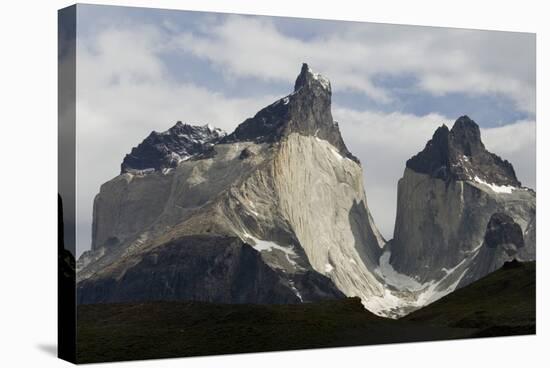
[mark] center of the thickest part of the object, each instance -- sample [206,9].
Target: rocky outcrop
[283,187]
[461,213]
[503,231]
[503,245]
[306,111]
[459,154]
[203,268]
[161,151]
[447,196]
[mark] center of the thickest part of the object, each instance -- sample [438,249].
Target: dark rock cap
[306,111]
[307,78]
[166,149]
[459,154]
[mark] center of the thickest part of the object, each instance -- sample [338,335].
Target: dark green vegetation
[502,303]
[170,329]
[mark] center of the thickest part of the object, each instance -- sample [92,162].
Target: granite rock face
[461,213]
[502,230]
[503,245]
[203,268]
[281,195]
[447,196]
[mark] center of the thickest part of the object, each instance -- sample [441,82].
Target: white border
[29,181]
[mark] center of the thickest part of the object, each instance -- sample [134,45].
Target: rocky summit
[165,150]
[306,111]
[459,154]
[461,214]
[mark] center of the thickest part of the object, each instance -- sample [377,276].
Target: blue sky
[143,69]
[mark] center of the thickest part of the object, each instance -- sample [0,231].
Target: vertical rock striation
[461,212]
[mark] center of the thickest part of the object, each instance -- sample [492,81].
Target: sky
[140,70]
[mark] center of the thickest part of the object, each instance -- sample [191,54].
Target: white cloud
[517,144]
[123,93]
[443,60]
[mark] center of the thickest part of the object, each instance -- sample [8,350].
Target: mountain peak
[441,134]
[306,111]
[459,154]
[466,133]
[163,150]
[193,130]
[308,78]
[465,123]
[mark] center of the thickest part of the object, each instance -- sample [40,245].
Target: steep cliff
[461,213]
[281,195]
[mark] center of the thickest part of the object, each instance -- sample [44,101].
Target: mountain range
[275,212]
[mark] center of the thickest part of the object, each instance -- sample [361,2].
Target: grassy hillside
[502,303]
[171,329]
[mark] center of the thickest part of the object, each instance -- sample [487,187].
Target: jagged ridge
[305,111]
[167,149]
[459,154]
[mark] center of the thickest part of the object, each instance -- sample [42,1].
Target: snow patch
[268,246]
[296,291]
[409,294]
[394,278]
[167,171]
[330,147]
[320,78]
[328,268]
[183,158]
[142,172]
[496,188]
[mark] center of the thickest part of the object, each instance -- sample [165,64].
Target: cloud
[123,93]
[516,143]
[441,61]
